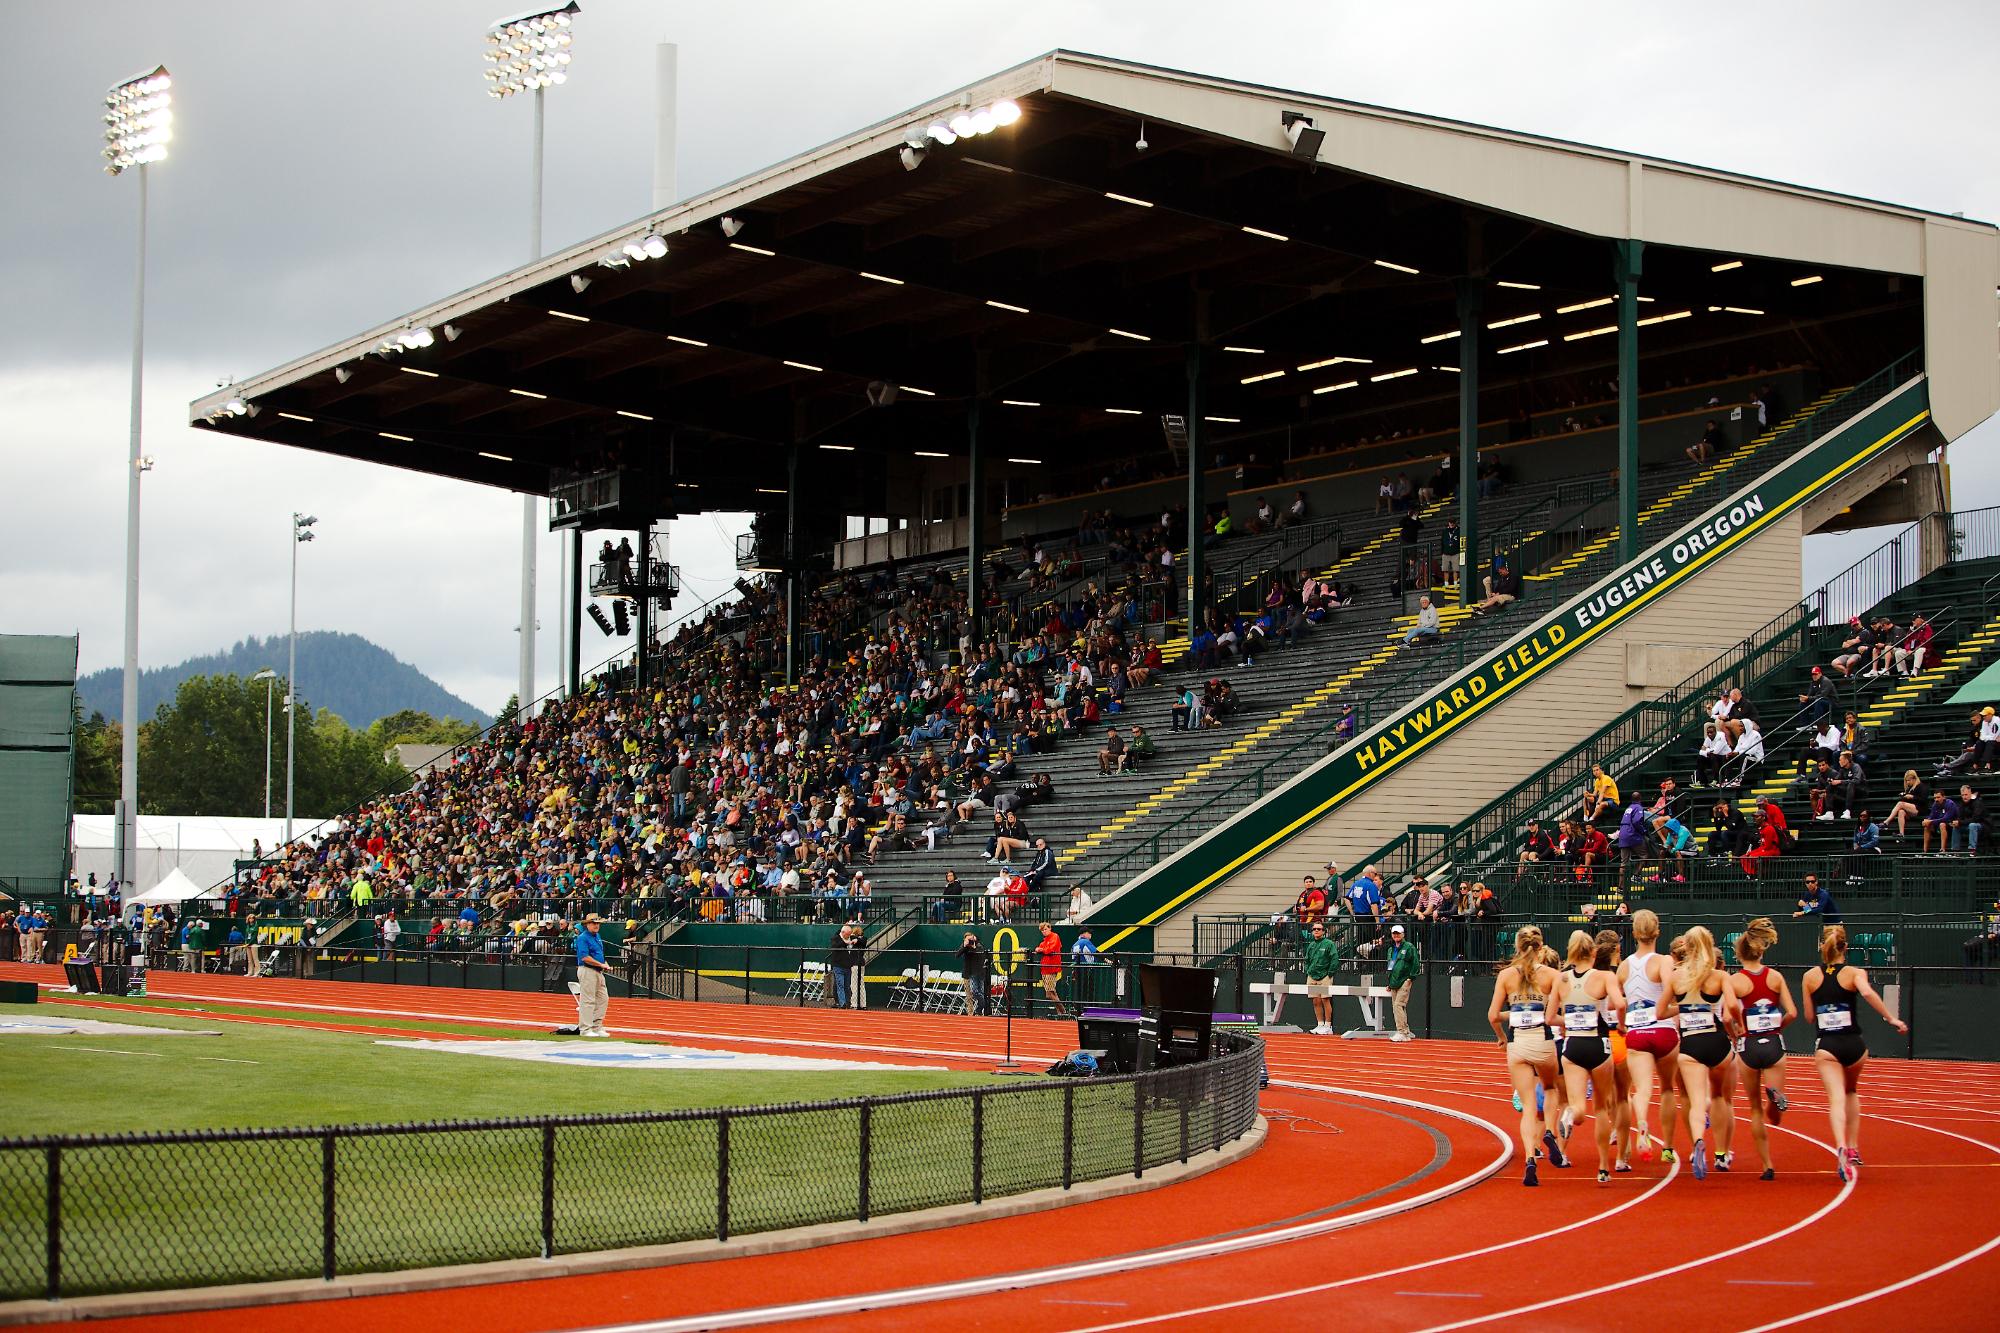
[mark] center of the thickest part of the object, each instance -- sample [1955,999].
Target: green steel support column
[975,523]
[1626,264]
[1470,302]
[791,564]
[1197,564]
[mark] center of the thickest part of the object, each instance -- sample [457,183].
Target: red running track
[1305,1233]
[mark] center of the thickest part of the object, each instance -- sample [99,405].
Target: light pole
[138,125]
[270,678]
[302,525]
[530,53]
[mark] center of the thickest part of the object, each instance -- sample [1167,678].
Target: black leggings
[1762,1051]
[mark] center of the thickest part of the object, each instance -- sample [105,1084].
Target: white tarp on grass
[641,1055]
[54,1026]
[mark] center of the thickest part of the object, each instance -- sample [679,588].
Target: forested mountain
[343,673]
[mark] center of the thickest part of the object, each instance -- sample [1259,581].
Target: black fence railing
[134,1212]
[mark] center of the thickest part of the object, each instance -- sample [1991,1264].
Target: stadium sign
[1251,833]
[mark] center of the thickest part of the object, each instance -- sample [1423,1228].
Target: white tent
[176,888]
[204,848]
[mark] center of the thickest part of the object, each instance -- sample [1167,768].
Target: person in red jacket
[1770,830]
[1049,950]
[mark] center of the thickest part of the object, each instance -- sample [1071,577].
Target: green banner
[1267,824]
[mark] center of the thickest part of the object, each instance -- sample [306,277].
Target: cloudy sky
[338,164]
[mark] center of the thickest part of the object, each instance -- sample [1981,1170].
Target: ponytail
[1645,925]
[1756,940]
[1527,957]
[1833,948]
[1607,950]
[1700,962]
[1581,948]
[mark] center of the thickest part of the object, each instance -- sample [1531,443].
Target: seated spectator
[1867,843]
[1819,790]
[1704,449]
[1601,796]
[1887,635]
[1111,758]
[1344,730]
[1295,512]
[1591,851]
[1854,737]
[1675,842]
[1426,628]
[1749,751]
[1913,650]
[1537,849]
[1821,700]
[1385,496]
[1824,744]
[1769,844]
[1186,711]
[1713,757]
[1140,749]
[1041,867]
[1970,826]
[1857,650]
[1848,787]
[1913,802]
[1940,819]
[1729,832]
[1502,586]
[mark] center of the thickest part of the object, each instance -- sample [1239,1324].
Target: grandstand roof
[1059,271]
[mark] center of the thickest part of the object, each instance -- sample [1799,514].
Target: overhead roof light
[1018,402]
[1807,281]
[1225,421]
[391,435]
[1725,266]
[636,416]
[1391,375]
[1741,310]
[838,448]
[1334,361]
[804,365]
[1440,337]
[751,249]
[1124,411]
[1590,333]
[1662,319]
[1517,319]
[1135,337]
[1259,379]
[931,453]
[412,370]
[414,337]
[1585,305]
[690,342]
[1002,305]
[921,393]
[649,246]
[1128,199]
[1521,286]
[939,131]
[1523,347]
[877,277]
[1267,235]
[1024,460]
[1300,132]
[1450,369]
[770,490]
[1247,351]
[498,458]
[564,314]
[1400,268]
[293,416]
[1336,388]
[527,393]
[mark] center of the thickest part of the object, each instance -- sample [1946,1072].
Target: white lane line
[109,1050]
[1880,1292]
[225,1060]
[1117,1264]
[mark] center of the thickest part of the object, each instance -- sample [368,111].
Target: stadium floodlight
[970,122]
[269,677]
[302,526]
[138,126]
[731,226]
[911,156]
[1303,135]
[531,53]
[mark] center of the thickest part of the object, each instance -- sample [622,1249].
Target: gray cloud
[339,164]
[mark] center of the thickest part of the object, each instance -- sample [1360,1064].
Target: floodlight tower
[138,125]
[302,526]
[530,53]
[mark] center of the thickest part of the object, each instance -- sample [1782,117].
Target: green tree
[203,754]
[413,726]
[99,763]
[510,710]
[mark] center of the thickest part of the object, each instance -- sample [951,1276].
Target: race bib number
[1696,1019]
[1581,1020]
[1762,1019]
[1640,1013]
[1835,1018]
[1526,1016]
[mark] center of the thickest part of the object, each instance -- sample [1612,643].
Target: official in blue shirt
[592,997]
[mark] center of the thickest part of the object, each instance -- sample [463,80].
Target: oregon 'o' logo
[1005,955]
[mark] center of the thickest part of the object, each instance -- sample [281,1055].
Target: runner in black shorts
[1831,990]
[1767,1010]
[1585,1005]
[1706,1003]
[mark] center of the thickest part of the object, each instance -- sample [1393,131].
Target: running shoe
[1623,1168]
[1778,1104]
[1840,1166]
[1567,1123]
[1645,1146]
[1517,1101]
[1666,1157]
[1698,1159]
[1769,1174]
[1725,1161]
[1553,1149]
[1528,1178]
[1603,1176]
[1854,1156]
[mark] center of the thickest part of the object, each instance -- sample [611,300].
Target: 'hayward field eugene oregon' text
[1607,602]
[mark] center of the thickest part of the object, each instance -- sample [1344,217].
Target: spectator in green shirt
[1405,963]
[1322,956]
[363,895]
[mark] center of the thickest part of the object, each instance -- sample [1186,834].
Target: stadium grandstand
[1290,530]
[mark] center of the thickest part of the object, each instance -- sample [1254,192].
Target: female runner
[1519,1015]
[1830,992]
[1650,1038]
[1610,952]
[1585,1004]
[1767,1010]
[1702,996]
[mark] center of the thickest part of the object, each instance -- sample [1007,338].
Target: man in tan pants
[592,999]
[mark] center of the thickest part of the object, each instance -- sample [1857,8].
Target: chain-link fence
[92,1214]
